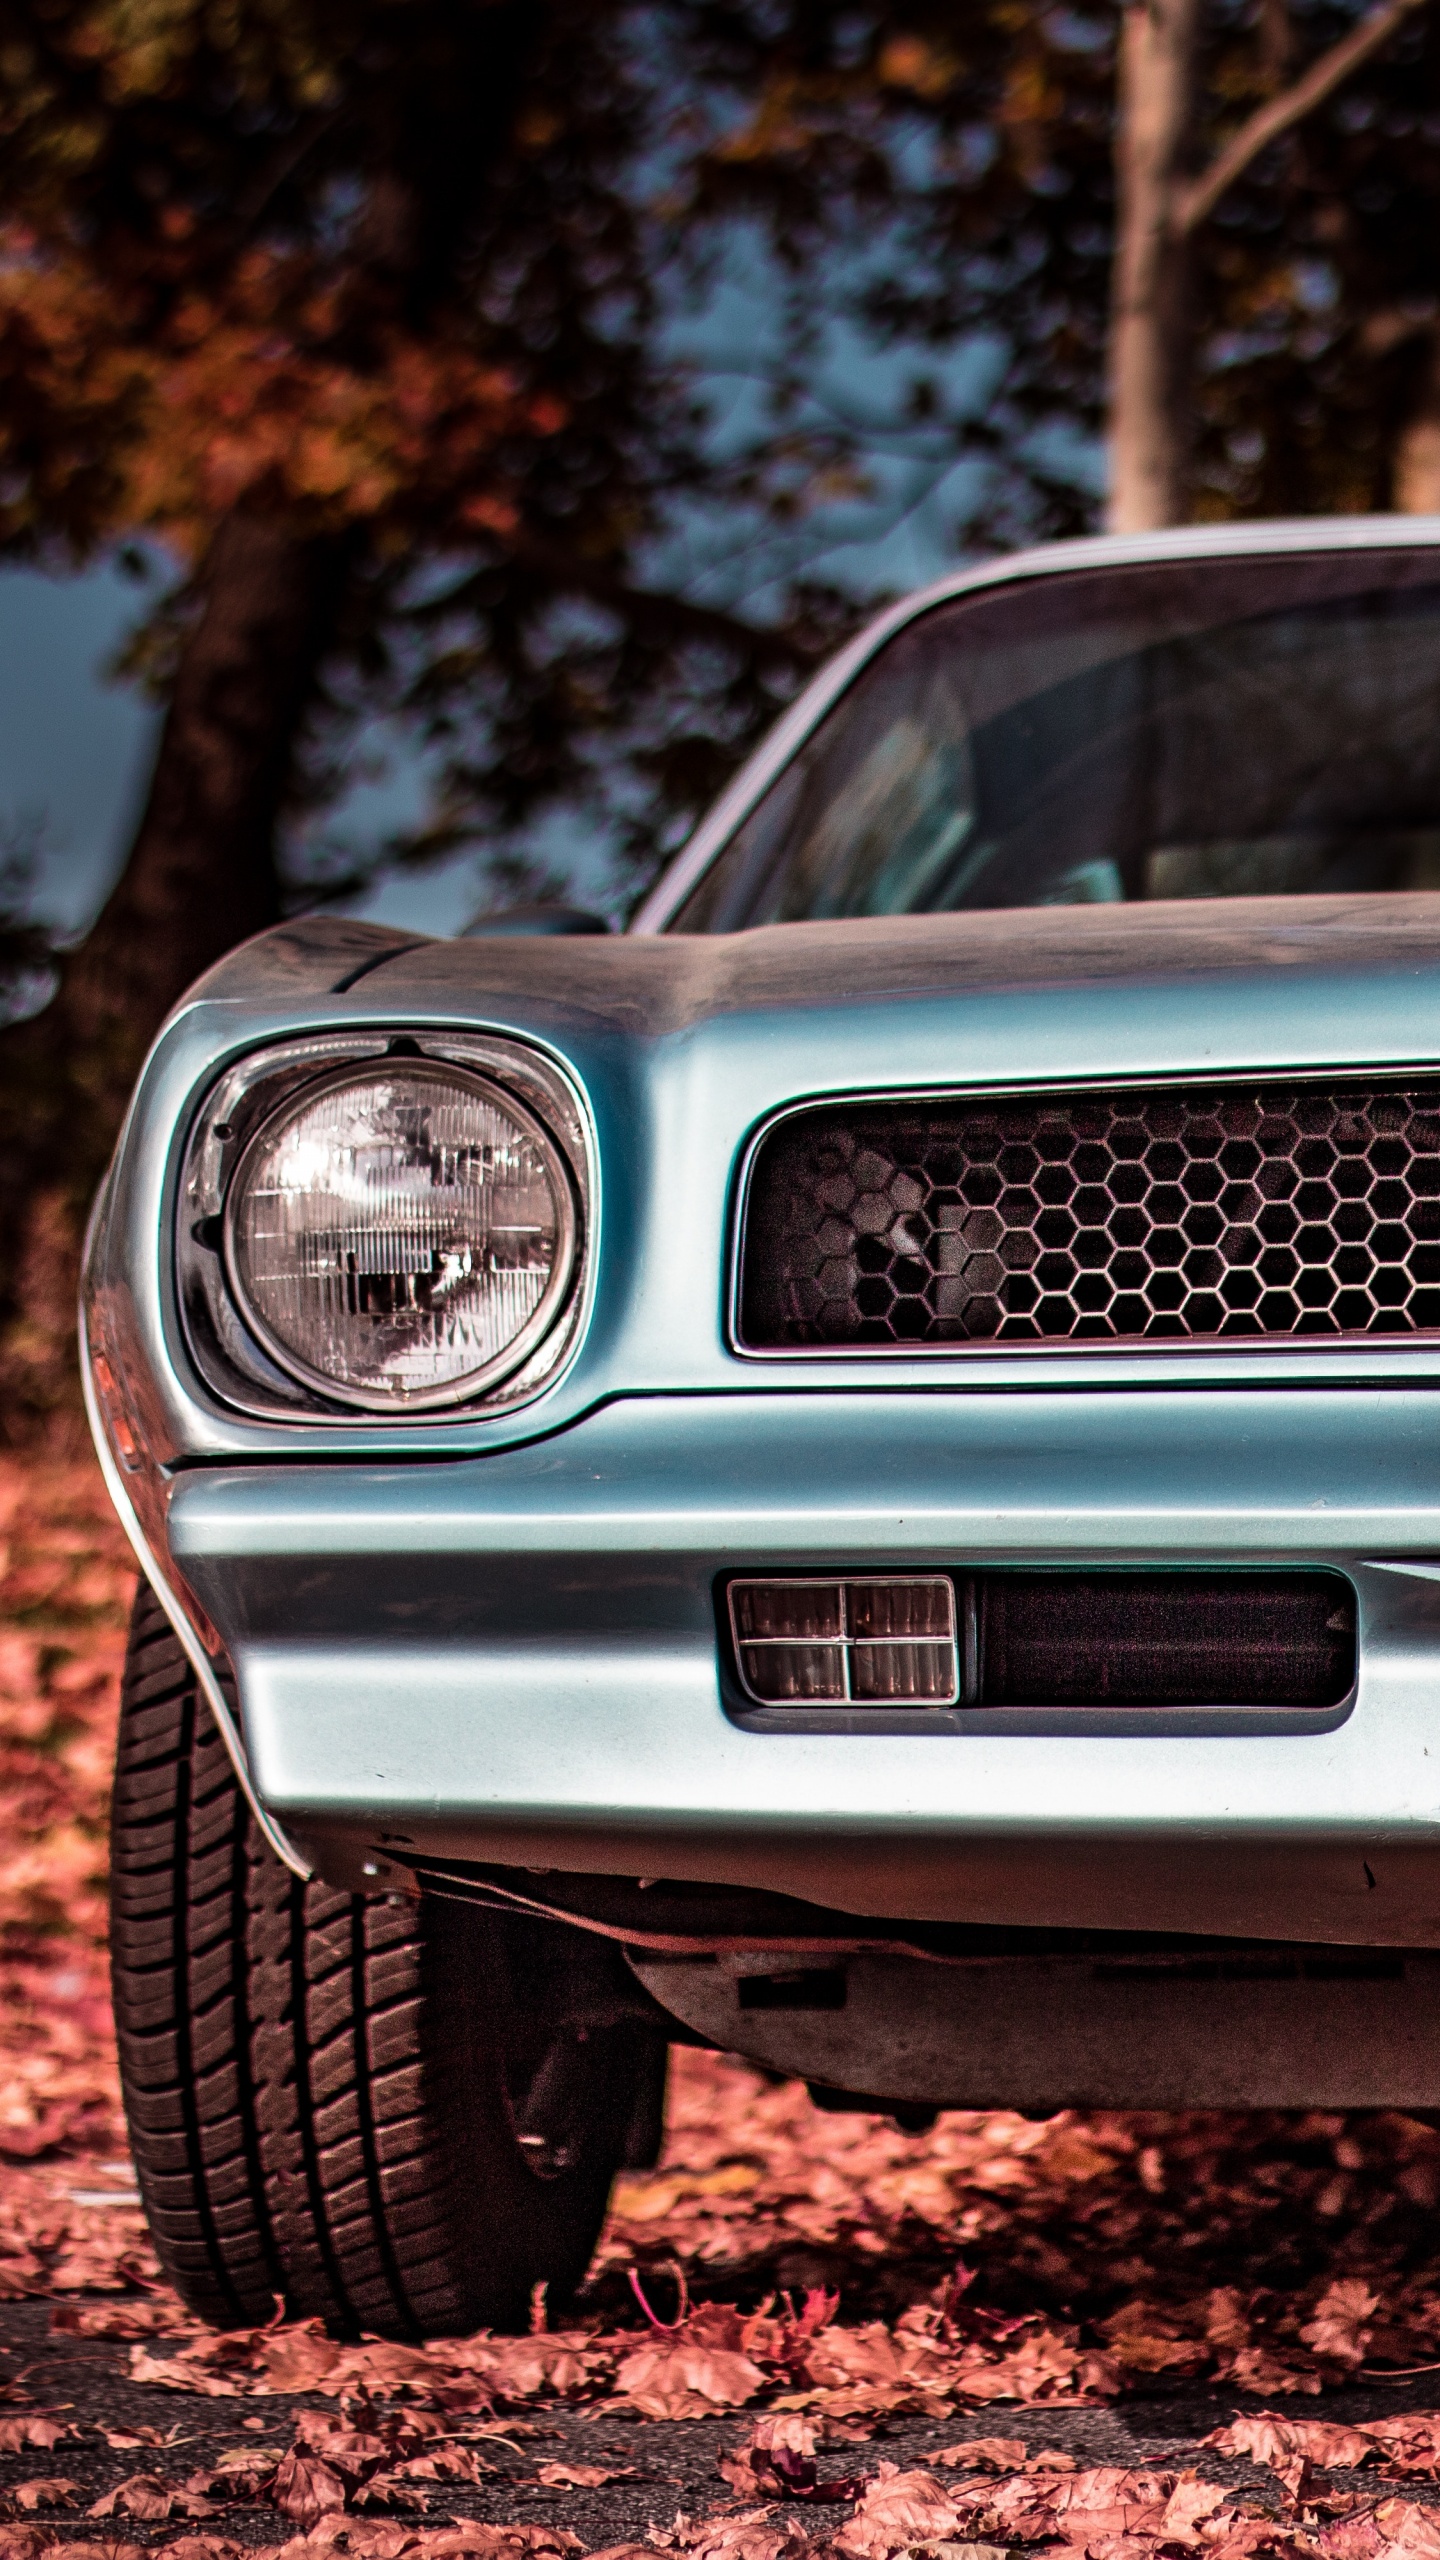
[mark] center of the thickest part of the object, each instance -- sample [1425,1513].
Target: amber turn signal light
[883,1640]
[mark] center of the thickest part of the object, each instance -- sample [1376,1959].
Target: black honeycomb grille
[1183,1212]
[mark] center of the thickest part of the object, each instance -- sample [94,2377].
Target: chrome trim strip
[1051,559]
[1167,1347]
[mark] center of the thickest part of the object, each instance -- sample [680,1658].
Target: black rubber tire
[321,2087]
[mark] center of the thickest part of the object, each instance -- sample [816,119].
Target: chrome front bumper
[514,1658]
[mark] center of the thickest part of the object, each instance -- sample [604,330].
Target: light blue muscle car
[851,1475]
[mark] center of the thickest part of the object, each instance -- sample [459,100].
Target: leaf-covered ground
[1103,2334]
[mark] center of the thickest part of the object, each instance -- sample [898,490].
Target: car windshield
[1198,729]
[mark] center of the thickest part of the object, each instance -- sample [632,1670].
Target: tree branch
[649,610]
[1197,202]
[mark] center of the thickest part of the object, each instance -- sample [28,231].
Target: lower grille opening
[1165,1639]
[1018,1637]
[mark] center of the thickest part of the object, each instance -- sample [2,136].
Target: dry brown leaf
[1044,2367]
[1142,2341]
[40,2431]
[1411,2442]
[982,2453]
[579,2475]
[306,2487]
[969,2551]
[1351,2538]
[296,2359]
[362,2537]
[1255,2369]
[351,2449]
[787,2432]
[898,2507]
[148,2499]
[203,2546]
[391,2489]
[173,2373]
[450,2462]
[1020,2507]
[777,2460]
[1410,2528]
[493,2541]
[1276,2441]
[242,2472]
[1108,2503]
[1227,2322]
[669,2378]
[1191,2503]
[754,2535]
[30,2494]
[1340,2327]
[121,2320]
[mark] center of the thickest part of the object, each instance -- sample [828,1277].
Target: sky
[76,747]
[73,750]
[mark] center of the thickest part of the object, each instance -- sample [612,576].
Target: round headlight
[402,1235]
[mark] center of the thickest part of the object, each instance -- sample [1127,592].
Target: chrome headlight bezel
[233,1349]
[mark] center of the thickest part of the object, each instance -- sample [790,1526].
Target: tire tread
[316,2106]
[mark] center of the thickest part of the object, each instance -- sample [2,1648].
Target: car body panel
[538,1679]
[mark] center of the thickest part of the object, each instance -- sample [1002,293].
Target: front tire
[384,2112]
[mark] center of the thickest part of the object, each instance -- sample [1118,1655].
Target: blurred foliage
[433,280]
[417,276]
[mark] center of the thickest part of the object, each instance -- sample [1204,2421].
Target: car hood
[659,984]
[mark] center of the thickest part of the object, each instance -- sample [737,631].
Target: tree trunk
[1415,471]
[201,876]
[1150,359]
[202,870]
